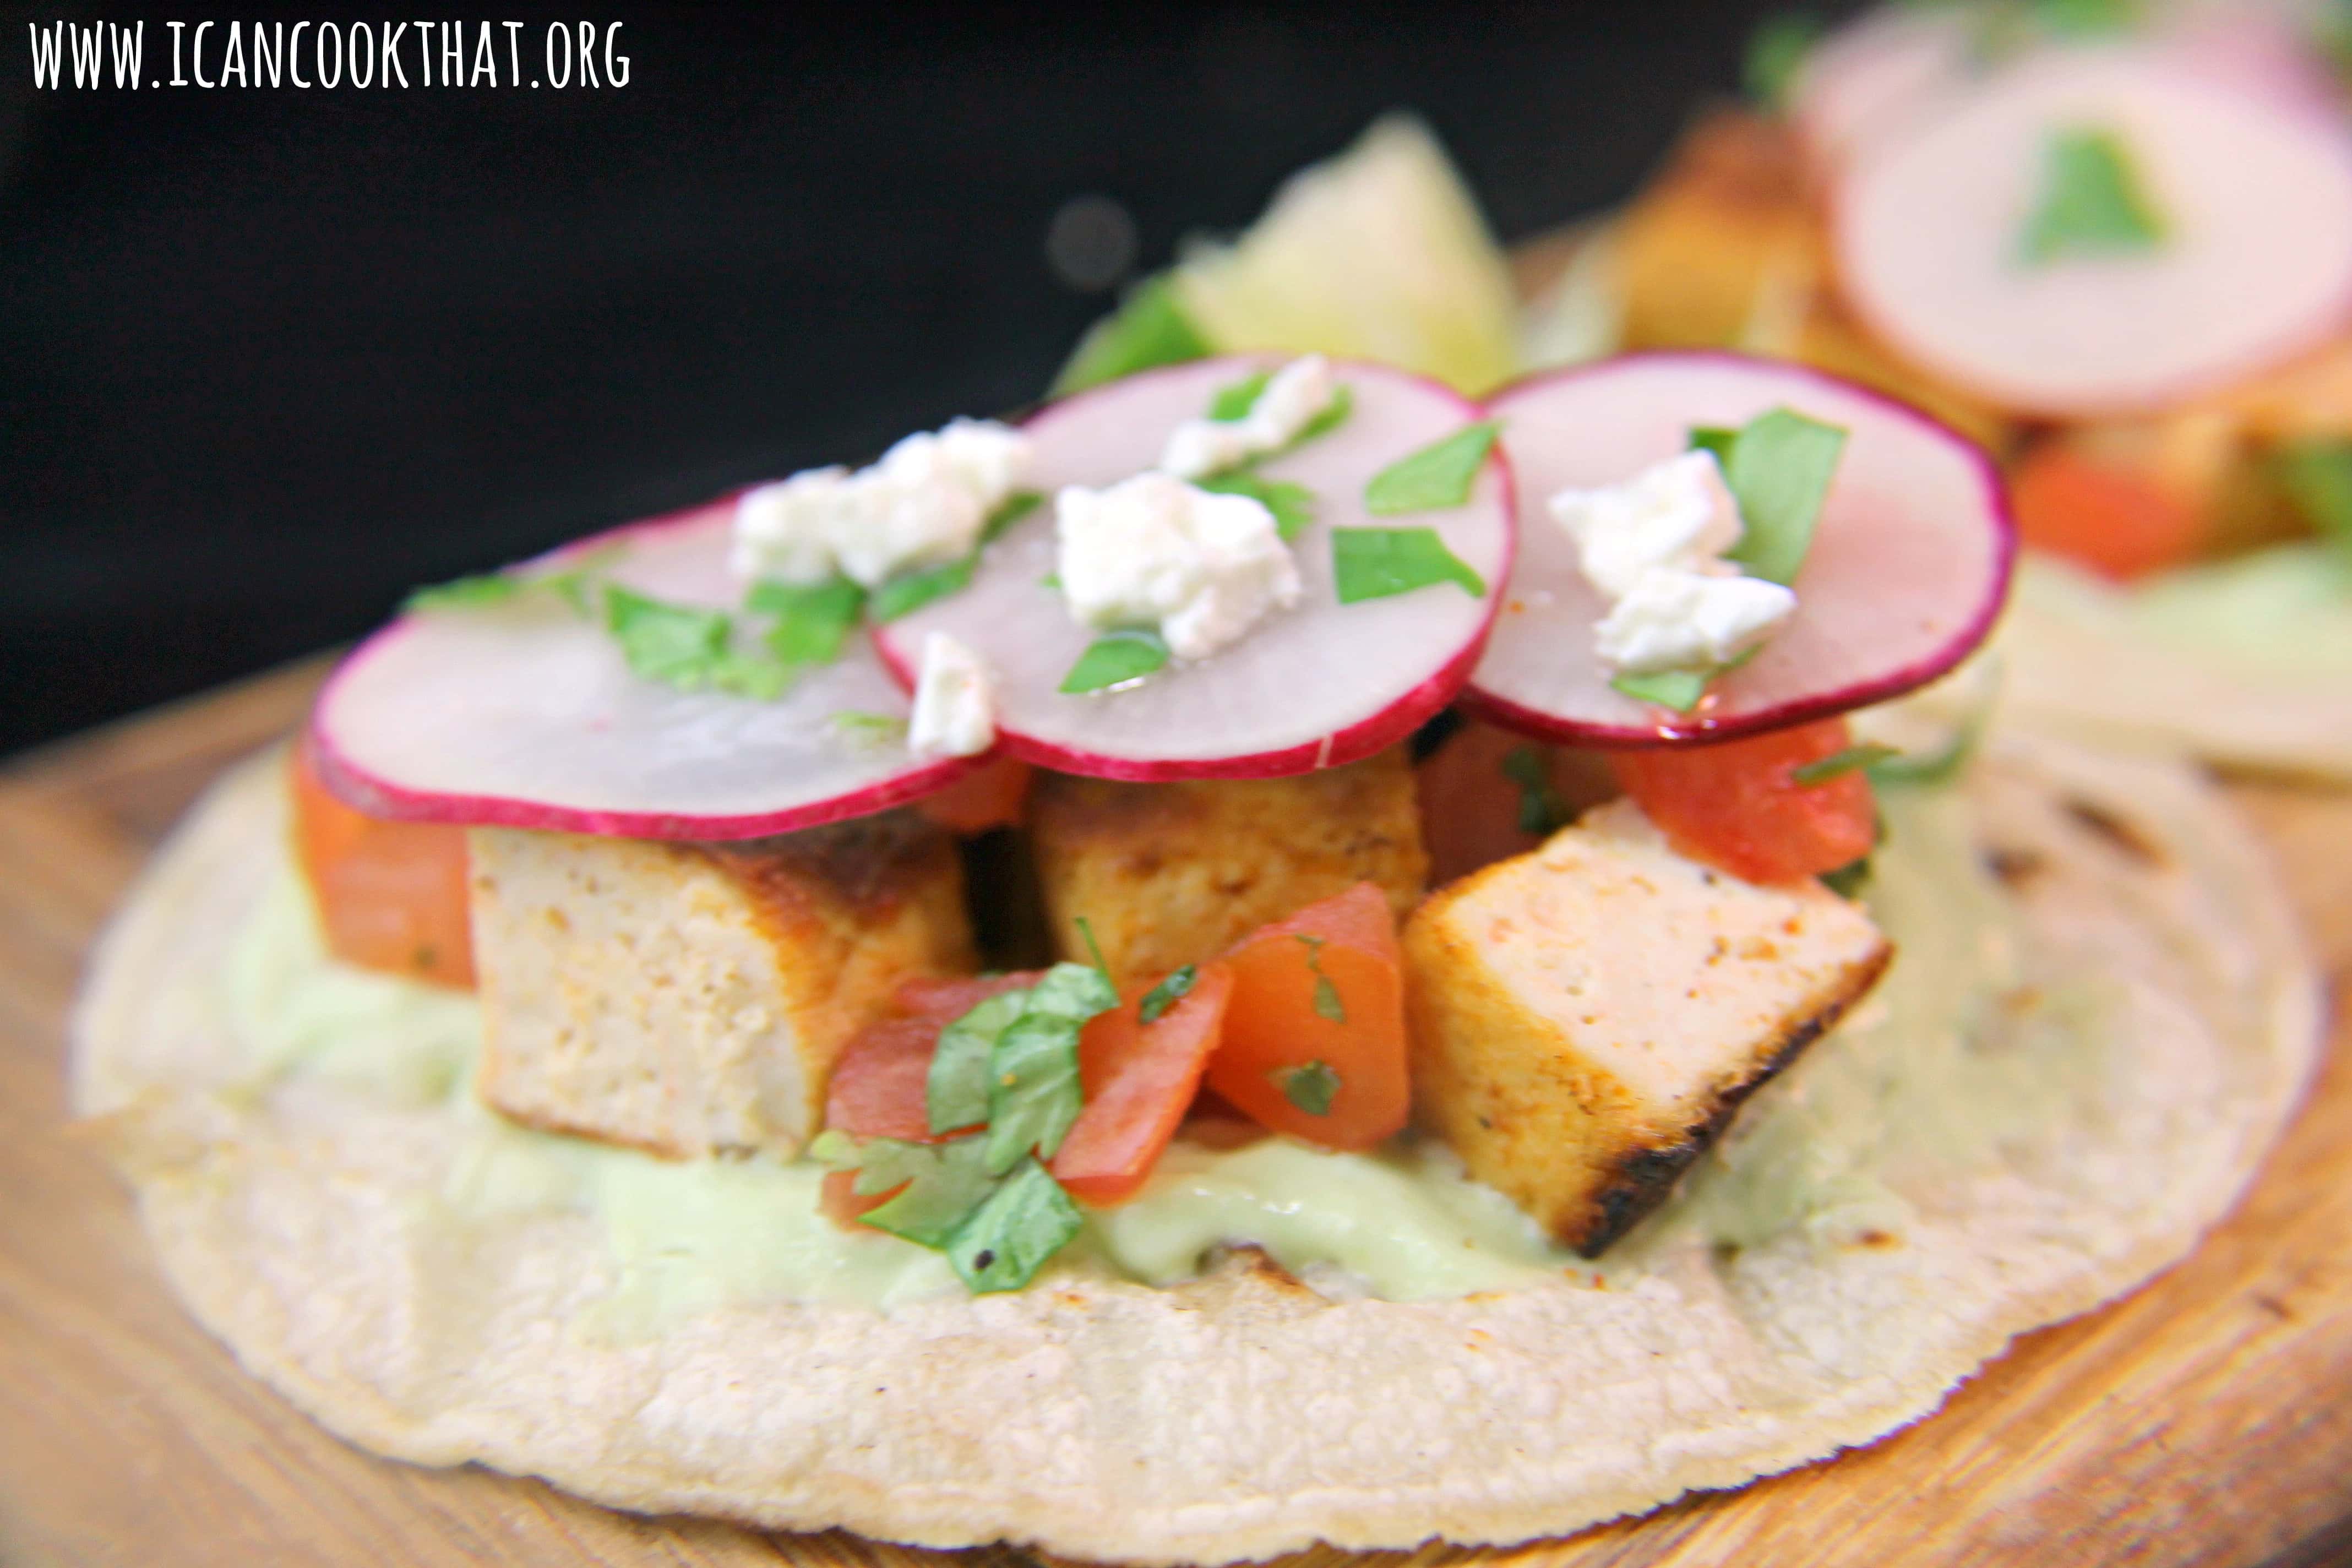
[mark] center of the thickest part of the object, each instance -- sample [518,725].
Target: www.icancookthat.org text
[330,55]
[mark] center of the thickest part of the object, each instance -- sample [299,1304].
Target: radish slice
[1312,686]
[527,716]
[2255,260]
[1909,560]
[1867,79]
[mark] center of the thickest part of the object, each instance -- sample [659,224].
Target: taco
[573,1056]
[2114,245]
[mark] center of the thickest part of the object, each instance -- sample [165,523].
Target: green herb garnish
[1439,475]
[1327,995]
[910,591]
[1776,52]
[1019,1225]
[1233,403]
[1542,813]
[812,622]
[867,732]
[1847,880]
[1852,760]
[1033,1094]
[955,1094]
[1166,994]
[2093,202]
[1010,510]
[1074,991]
[1375,562]
[1311,1089]
[1292,504]
[1115,658]
[468,593]
[2317,477]
[687,647]
[1679,689]
[944,1183]
[1150,328]
[1778,467]
[1093,949]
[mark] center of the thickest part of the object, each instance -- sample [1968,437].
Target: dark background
[268,358]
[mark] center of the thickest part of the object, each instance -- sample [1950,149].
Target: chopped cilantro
[2093,202]
[1679,689]
[1051,580]
[1327,995]
[1074,991]
[1778,467]
[1233,402]
[1542,811]
[1375,562]
[943,1184]
[1150,328]
[1093,949]
[1852,759]
[467,593]
[1013,508]
[1292,504]
[1847,880]
[1311,1089]
[1335,413]
[811,622]
[2317,477]
[867,730]
[1115,658]
[910,591]
[1033,1093]
[1439,475]
[1776,52]
[678,645]
[1018,1227]
[1166,994]
[955,1094]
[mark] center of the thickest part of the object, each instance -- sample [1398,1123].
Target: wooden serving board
[2206,1419]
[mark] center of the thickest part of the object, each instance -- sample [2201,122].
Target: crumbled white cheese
[1674,513]
[1675,619]
[1292,399]
[955,701]
[922,505]
[1654,546]
[1199,567]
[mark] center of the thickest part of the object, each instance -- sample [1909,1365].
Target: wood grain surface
[2207,1419]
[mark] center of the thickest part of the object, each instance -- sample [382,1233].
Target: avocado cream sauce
[2287,610]
[1915,1080]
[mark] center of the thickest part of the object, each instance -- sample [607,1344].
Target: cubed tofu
[1168,874]
[1586,1018]
[1722,226]
[689,999]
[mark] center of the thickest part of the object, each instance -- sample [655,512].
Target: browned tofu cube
[689,999]
[1724,225]
[1167,874]
[1586,1018]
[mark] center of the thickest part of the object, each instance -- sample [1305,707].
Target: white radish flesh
[2253,260]
[1314,686]
[1908,564]
[525,714]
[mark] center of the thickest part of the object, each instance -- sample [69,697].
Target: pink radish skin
[1313,687]
[412,725]
[1869,78]
[1908,568]
[2256,263]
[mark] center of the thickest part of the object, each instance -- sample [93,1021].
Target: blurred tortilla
[1243,1414]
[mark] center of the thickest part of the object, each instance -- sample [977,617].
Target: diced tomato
[1739,807]
[2107,516]
[879,1085]
[1487,794]
[991,795]
[1318,1012]
[944,1000]
[391,896]
[1139,1080]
